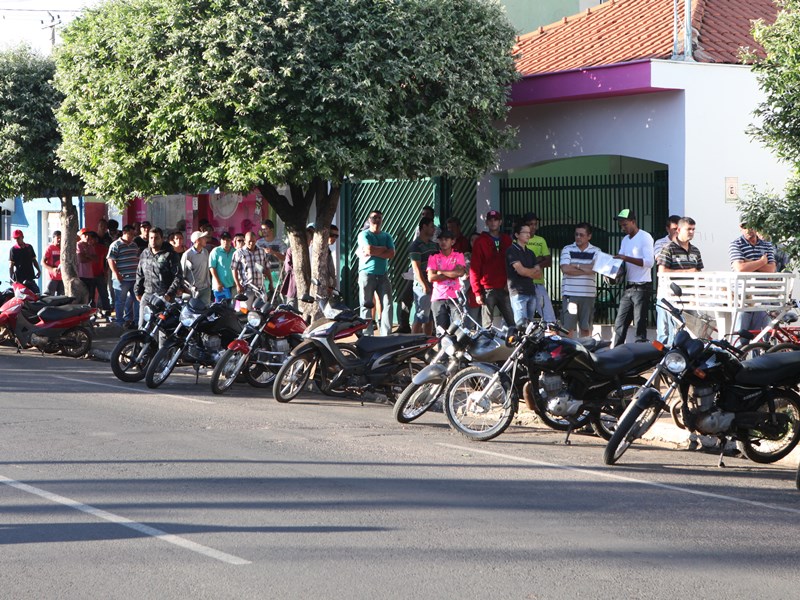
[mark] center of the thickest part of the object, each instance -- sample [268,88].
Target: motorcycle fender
[137,333]
[649,397]
[239,345]
[303,347]
[430,374]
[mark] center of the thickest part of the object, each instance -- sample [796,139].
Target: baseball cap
[17,234]
[225,235]
[83,230]
[196,235]
[626,214]
[530,217]
[493,214]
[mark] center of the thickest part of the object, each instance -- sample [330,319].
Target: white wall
[697,131]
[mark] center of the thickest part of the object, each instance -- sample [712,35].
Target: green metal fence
[561,202]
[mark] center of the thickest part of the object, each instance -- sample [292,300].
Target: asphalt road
[111,490]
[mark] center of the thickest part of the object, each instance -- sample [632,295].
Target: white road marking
[141,528]
[607,475]
[128,389]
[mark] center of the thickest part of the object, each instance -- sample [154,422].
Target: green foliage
[28,130]
[178,95]
[775,216]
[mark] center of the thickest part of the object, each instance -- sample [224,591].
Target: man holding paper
[636,251]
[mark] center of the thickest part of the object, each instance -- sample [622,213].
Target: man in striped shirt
[751,254]
[578,284]
[680,255]
[248,266]
[123,259]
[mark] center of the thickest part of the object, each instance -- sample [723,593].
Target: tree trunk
[73,286]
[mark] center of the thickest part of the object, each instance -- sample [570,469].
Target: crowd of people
[497,272]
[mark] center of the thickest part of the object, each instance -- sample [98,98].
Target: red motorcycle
[48,325]
[263,346]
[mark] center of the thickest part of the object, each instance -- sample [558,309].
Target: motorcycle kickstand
[722,443]
[567,442]
[196,374]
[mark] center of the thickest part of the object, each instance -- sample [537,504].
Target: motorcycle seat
[625,357]
[770,369]
[593,344]
[55,313]
[54,301]
[374,343]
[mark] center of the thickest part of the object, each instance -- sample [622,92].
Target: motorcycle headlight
[147,313]
[448,346]
[675,362]
[253,319]
[187,317]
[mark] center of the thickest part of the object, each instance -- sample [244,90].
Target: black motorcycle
[135,349]
[199,340]
[752,402]
[481,404]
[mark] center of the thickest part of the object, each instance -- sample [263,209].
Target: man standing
[123,260]
[636,250]
[419,251]
[664,324]
[579,284]
[52,262]
[159,271]
[23,266]
[522,270]
[680,255]
[194,268]
[538,246]
[375,249]
[87,257]
[751,254]
[461,243]
[219,265]
[444,272]
[276,252]
[248,265]
[176,240]
[487,270]
[100,272]
[144,232]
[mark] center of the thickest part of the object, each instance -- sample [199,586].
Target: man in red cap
[487,269]
[23,266]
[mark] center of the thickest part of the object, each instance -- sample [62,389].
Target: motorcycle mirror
[676,289]
[240,297]
[307,298]
[572,308]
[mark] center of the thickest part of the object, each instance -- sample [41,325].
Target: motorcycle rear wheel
[484,421]
[163,364]
[764,450]
[124,357]
[634,423]
[79,340]
[416,400]
[293,376]
[227,370]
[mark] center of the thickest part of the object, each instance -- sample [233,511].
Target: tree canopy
[179,95]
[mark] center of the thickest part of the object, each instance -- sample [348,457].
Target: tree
[182,95]
[28,141]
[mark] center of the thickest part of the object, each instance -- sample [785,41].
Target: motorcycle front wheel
[293,376]
[76,342]
[634,423]
[477,415]
[227,370]
[775,441]
[163,364]
[416,400]
[323,376]
[131,357]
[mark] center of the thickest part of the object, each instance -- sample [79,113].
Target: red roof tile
[624,30]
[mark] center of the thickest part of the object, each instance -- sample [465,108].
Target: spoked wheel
[753,350]
[76,342]
[227,370]
[785,347]
[163,364]
[258,375]
[605,421]
[416,400]
[402,378]
[131,357]
[774,441]
[293,376]
[476,407]
[634,423]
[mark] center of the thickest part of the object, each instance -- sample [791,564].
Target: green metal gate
[401,203]
[562,202]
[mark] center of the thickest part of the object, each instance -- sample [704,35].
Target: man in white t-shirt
[578,284]
[636,251]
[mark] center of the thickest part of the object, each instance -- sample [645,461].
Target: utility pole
[55,21]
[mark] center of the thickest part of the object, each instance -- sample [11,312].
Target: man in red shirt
[487,270]
[52,262]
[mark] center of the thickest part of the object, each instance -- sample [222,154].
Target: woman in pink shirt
[444,270]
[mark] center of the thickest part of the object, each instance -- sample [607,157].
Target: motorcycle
[198,340]
[384,364]
[464,342]
[589,388]
[55,328]
[135,349]
[751,402]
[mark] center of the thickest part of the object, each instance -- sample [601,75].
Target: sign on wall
[731,190]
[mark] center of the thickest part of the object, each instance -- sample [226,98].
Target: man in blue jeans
[375,248]
[123,259]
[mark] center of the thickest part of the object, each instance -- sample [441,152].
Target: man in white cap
[194,266]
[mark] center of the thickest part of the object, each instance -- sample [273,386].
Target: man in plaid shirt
[246,275]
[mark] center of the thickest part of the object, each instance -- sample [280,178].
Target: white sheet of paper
[607,265]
